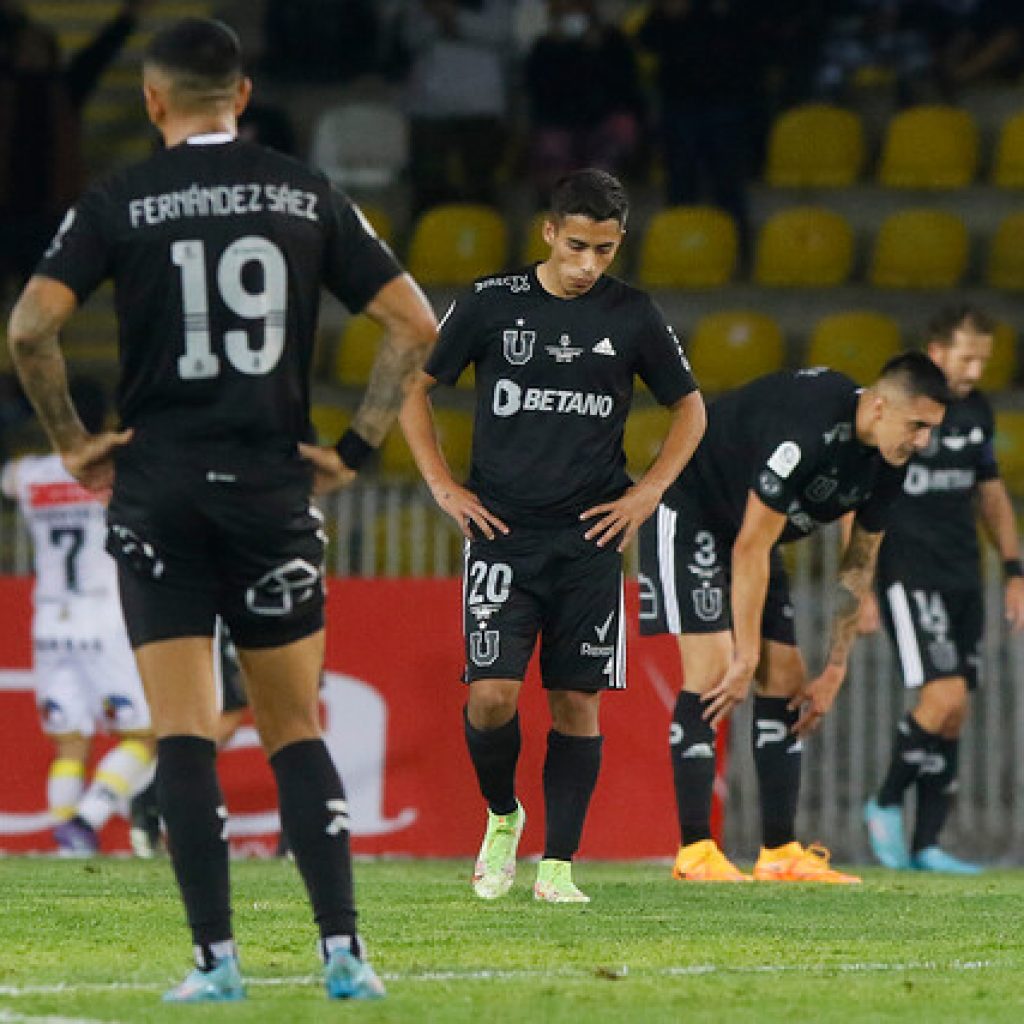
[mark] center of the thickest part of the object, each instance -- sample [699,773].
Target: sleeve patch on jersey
[769,484]
[785,459]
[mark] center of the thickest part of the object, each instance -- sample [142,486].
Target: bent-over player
[781,456]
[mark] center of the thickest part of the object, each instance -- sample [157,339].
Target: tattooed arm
[410,328]
[40,312]
[855,575]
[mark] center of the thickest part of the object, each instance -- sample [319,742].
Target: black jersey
[790,438]
[554,382]
[217,249]
[932,540]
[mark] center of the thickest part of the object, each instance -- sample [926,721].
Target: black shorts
[549,583]
[226,534]
[937,633]
[685,567]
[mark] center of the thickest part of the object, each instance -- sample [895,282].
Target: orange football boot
[703,861]
[796,863]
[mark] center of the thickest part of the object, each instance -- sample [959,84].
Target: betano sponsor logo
[511,398]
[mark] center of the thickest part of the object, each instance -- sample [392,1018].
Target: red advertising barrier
[392,705]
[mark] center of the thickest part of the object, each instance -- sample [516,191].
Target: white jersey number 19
[268,305]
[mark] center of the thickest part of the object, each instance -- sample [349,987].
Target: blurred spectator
[708,76]
[456,97]
[584,95]
[989,46]
[321,40]
[791,34]
[892,37]
[40,107]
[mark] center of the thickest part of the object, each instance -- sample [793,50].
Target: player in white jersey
[85,675]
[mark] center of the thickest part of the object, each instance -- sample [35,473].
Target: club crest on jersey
[564,351]
[518,346]
[707,603]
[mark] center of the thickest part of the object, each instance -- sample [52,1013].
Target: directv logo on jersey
[514,283]
[510,398]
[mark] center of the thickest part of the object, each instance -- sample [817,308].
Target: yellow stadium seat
[929,146]
[688,247]
[729,349]
[457,242]
[1001,369]
[804,247]
[919,249]
[329,422]
[534,248]
[357,349]
[1009,446]
[815,146]
[455,432]
[380,221]
[645,430]
[1008,165]
[1005,267]
[857,343]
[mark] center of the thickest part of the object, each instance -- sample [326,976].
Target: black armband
[1013,567]
[354,449]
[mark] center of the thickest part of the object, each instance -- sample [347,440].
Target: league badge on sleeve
[785,459]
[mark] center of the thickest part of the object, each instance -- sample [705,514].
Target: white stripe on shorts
[619,682]
[667,520]
[906,636]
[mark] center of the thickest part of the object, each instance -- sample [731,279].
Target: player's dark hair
[590,193]
[918,377]
[90,400]
[942,326]
[203,55]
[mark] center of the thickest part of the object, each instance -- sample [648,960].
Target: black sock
[935,790]
[571,768]
[495,753]
[692,750]
[314,817]
[777,759]
[193,810]
[909,750]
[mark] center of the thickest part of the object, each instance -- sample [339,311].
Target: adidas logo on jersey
[604,347]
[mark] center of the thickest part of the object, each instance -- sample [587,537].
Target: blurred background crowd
[784,156]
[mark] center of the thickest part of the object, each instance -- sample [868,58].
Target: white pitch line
[8,1017]
[683,971]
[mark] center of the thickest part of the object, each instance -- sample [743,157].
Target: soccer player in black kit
[217,250]
[781,456]
[930,591]
[548,506]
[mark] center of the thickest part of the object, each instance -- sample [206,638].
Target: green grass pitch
[100,940]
